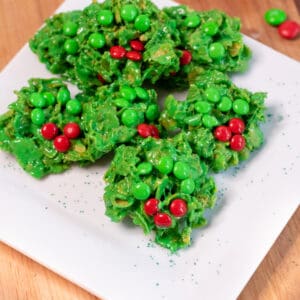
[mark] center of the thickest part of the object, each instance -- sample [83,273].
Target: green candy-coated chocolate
[128,93]
[181,170]
[240,106]
[165,165]
[275,16]
[71,46]
[210,121]
[144,168]
[212,94]
[225,105]
[97,40]
[70,28]
[187,186]
[105,17]
[38,116]
[50,98]
[210,28]
[63,95]
[192,20]
[130,118]
[73,107]
[203,107]
[37,100]
[129,12]
[141,191]
[142,23]
[216,50]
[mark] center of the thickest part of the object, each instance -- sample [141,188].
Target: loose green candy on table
[275,16]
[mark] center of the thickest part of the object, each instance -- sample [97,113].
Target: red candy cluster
[119,52]
[146,130]
[61,142]
[232,134]
[178,209]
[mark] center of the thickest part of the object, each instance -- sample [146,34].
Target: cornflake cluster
[118,53]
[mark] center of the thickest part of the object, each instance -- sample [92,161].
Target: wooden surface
[278,275]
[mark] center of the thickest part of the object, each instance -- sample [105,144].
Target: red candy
[117,52]
[154,131]
[137,45]
[185,58]
[289,30]
[72,130]
[101,79]
[61,143]
[237,142]
[236,125]
[151,206]
[222,133]
[146,130]
[162,220]
[134,55]
[178,208]
[49,131]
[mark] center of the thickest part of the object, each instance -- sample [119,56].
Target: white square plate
[60,222]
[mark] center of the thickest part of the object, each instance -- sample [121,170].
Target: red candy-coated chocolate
[49,131]
[101,79]
[289,30]
[185,58]
[162,220]
[137,45]
[178,208]
[145,130]
[117,52]
[72,130]
[154,131]
[237,142]
[61,143]
[222,133]
[236,125]
[134,55]
[151,206]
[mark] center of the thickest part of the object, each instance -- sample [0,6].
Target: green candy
[210,28]
[141,93]
[63,95]
[152,112]
[210,121]
[120,102]
[37,100]
[225,105]
[130,118]
[240,106]
[128,93]
[194,120]
[73,107]
[165,165]
[144,168]
[71,46]
[105,17]
[70,28]
[38,116]
[216,50]
[275,16]
[212,94]
[192,20]
[129,12]
[142,23]
[181,170]
[50,98]
[203,107]
[141,191]
[187,186]
[97,40]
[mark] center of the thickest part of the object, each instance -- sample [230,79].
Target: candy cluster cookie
[118,53]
